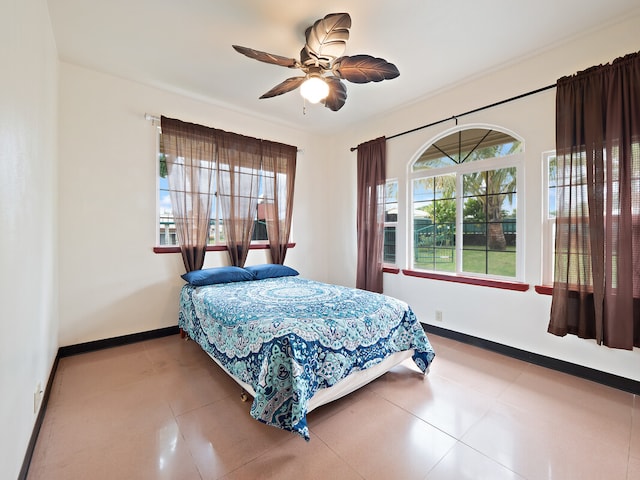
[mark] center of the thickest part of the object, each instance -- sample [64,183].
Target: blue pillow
[210,276]
[271,270]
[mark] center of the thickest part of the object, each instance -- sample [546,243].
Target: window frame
[516,160]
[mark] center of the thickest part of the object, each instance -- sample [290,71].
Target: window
[549,207]
[166,231]
[390,222]
[463,204]
[575,186]
[572,183]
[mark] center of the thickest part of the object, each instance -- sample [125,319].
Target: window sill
[394,270]
[484,282]
[217,248]
[544,290]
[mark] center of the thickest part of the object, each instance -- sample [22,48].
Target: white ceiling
[185,45]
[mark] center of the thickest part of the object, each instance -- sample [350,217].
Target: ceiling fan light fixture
[314,89]
[324,64]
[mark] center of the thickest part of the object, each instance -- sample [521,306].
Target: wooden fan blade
[284,87]
[337,94]
[364,69]
[267,57]
[326,39]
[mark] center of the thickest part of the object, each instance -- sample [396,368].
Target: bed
[294,343]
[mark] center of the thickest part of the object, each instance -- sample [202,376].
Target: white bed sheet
[343,387]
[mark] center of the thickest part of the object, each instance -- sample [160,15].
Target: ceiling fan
[323,64]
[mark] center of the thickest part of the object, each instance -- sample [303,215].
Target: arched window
[463,204]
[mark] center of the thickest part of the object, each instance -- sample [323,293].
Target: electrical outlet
[37,398]
[438,315]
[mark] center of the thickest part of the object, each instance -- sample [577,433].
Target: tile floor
[161,409]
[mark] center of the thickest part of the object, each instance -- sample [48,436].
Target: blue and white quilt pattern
[288,337]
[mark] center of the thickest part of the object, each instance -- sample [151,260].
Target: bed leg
[183,334]
[244,396]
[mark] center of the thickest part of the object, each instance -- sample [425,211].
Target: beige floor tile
[318,415]
[153,454]
[536,448]
[161,454]
[88,463]
[188,391]
[434,399]
[91,373]
[99,420]
[296,459]
[222,436]
[473,367]
[465,463]
[382,441]
[174,353]
[582,406]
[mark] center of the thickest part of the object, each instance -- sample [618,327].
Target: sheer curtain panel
[190,155]
[370,213]
[279,173]
[596,291]
[239,164]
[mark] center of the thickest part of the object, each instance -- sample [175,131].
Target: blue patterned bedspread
[289,337]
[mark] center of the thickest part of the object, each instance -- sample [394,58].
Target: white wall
[111,282]
[28,212]
[512,318]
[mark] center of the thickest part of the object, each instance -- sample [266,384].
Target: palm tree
[490,189]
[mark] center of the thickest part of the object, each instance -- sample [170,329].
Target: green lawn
[442,259]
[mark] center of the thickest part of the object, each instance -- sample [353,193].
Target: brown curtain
[370,213]
[190,155]
[239,166]
[596,291]
[279,173]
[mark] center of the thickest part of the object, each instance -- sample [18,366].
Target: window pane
[167,227]
[489,222]
[423,189]
[575,266]
[474,261]
[391,202]
[474,184]
[434,223]
[502,263]
[259,231]
[215,227]
[466,146]
[428,160]
[390,220]
[552,178]
[501,181]
[474,236]
[265,208]
[389,254]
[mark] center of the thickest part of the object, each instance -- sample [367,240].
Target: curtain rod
[156,119]
[455,117]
